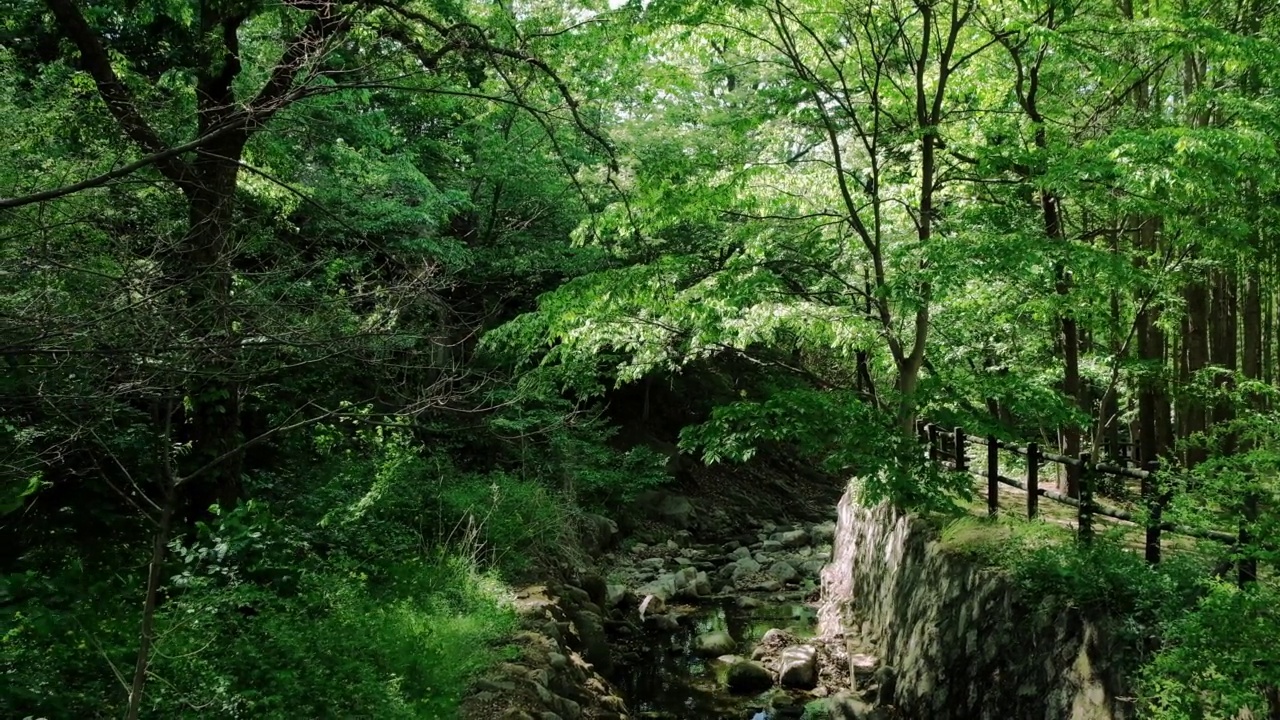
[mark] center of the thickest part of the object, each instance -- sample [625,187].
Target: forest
[323,321]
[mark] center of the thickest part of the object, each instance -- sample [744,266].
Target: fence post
[1084,524]
[1155,510]
[961,456]
[934,450]
[993,475]
[1033,480]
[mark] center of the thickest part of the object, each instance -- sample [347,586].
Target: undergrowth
[1198,648]
[368,578]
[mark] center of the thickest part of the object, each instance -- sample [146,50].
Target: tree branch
[117,97]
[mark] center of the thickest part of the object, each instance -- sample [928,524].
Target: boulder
[740,553]
[596,587]
[702,585]
[792,538]
[863,665]
[845,707]
[662,623]
[664,588]
[823,533]
[686,582]
[618,596]
[714,644]
[674,510]
[743,569]
[798,667]
[887,679]
[651,605]
[783,572]
[594,642]
[746,676]
[599,533]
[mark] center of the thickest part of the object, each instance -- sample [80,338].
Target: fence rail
[950,449]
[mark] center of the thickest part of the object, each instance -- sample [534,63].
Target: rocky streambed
[674,626]
[726,630]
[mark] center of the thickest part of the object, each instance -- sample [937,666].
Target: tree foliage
[296,297]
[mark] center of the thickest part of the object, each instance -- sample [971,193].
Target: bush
[344,644]
[1218,659]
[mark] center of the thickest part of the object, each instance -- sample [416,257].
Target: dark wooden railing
[950,449]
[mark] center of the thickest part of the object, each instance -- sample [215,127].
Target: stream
[669,681]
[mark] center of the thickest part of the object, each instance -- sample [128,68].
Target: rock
[654,562]
[652,605]
[744,568]
[783,572]
[842,706]
[599,533]
[813,567]
[662,623]
[805,552]
[595,644]
[768,586]
[663,587]
[740,553]
[798,667]
[887,679]
[673,510]
[575,594]
[823,533]
[792,539]
[746,602]
[773,640]
[746,676]
[495,686]
[731,546]
[863,665]
[595,586]
[762,558]
[702,585]
[770,546]
[686,583]
[714,644]
[774,637]
[682,538]
[618,596]
[639,549]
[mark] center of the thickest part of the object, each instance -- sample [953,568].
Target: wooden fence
[950,449]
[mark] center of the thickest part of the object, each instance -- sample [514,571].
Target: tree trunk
[1070,332]
[147,634]
[213,393]
[155,572]
[1195,342]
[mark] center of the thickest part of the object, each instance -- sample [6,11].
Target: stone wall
[960,643]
